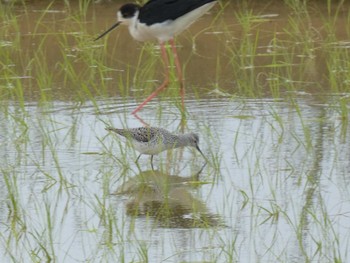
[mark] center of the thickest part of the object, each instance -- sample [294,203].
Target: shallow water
[275,188]
[69,174]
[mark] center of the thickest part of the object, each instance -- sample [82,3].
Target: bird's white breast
[149,148]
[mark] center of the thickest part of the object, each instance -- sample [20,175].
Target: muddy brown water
[215,50]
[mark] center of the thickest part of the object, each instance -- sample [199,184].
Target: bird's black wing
[158,11]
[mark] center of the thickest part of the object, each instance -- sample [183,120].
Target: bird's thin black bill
[199,150]
[109,30]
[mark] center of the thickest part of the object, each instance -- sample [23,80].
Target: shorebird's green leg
[138,158]
[152,162]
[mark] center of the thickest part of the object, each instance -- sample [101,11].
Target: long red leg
[179,72]
[163,85]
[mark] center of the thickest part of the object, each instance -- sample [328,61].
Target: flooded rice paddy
[267,92]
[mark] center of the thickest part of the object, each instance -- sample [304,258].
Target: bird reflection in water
[167,199]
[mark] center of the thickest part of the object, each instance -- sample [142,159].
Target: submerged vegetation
[267,88]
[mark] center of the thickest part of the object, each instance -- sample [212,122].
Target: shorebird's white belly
[149,148]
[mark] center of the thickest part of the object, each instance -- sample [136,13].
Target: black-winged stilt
[161,20]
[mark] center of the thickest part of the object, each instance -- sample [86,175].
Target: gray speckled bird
[152,140]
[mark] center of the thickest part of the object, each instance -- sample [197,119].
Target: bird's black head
[129,10]
[125,15]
